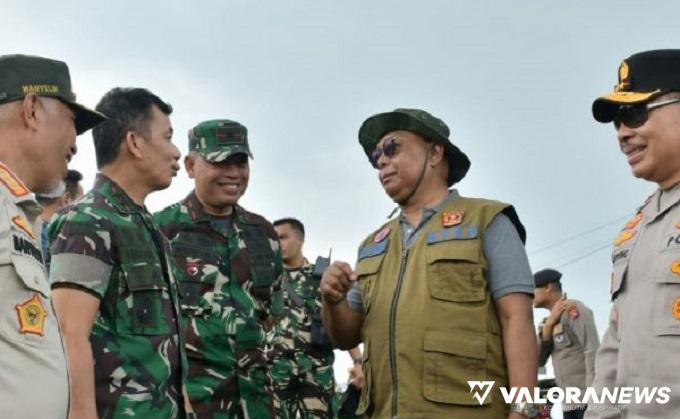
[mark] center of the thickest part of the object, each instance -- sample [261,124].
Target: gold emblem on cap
[624,77]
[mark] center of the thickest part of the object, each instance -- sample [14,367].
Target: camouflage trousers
[303,389]
[224,382]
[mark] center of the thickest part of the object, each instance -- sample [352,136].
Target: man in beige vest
[567,335]
[641,345]
[39,121]
[441,295]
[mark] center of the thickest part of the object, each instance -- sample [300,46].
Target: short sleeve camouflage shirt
[110,247]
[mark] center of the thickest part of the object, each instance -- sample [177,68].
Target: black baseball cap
[24,74]
[642,77]
[546,276]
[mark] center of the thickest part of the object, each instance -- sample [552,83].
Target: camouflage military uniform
[108,246]
[302,370]
[232,268]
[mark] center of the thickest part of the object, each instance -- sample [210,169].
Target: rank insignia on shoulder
[676,309]
[633,222]
[380,236]
[452,218]
[675,267]
[32,315]
[623,237]
[23,225]
[12,183]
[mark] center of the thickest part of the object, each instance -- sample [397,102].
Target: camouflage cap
[24,74]
[421,123]
[218,139]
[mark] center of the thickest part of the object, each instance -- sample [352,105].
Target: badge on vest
[32,315]
[381,235]
[459,232]
[452,218]
[23,225]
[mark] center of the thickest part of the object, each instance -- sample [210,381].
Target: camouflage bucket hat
[421,123]
[218,139]
[21,75]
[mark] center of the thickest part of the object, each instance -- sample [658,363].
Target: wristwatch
[523,408]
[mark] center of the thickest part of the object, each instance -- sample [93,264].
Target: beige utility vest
[430,325]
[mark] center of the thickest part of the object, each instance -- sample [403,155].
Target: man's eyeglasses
[634,116]
[389,149]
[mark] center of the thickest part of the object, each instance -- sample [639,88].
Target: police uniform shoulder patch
[23,225]
[32,315]
[12,183]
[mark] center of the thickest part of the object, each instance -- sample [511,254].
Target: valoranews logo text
[480,390]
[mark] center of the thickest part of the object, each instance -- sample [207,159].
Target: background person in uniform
[441,294]
[568,335]
[231,265]
[66,193]
[114,289]
[641,345]
[39,121]
[302,357]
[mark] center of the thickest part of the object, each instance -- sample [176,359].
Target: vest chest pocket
[197,283]
[454,271]
[450,360]
[666,310]
[149,309]
[367,271]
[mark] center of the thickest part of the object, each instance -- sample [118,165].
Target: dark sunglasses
[634,116]
[389,149]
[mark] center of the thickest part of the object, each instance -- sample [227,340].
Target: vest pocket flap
[143,276]
[450,360]
[31,274]
[467,250]
[456,342]
[369,265]
[668,271]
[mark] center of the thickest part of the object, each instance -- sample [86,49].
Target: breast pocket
[197,283]
[367,271]
[454,271]
[30,318]
[666,317]
[148,306]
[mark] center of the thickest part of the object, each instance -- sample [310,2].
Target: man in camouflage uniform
[39,121]
[112,278]
[302,359]
[232,266]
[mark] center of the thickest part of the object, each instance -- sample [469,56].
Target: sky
[514,81]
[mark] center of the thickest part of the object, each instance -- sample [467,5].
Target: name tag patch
[25,247]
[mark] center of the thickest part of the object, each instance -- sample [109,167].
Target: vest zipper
[392,332]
